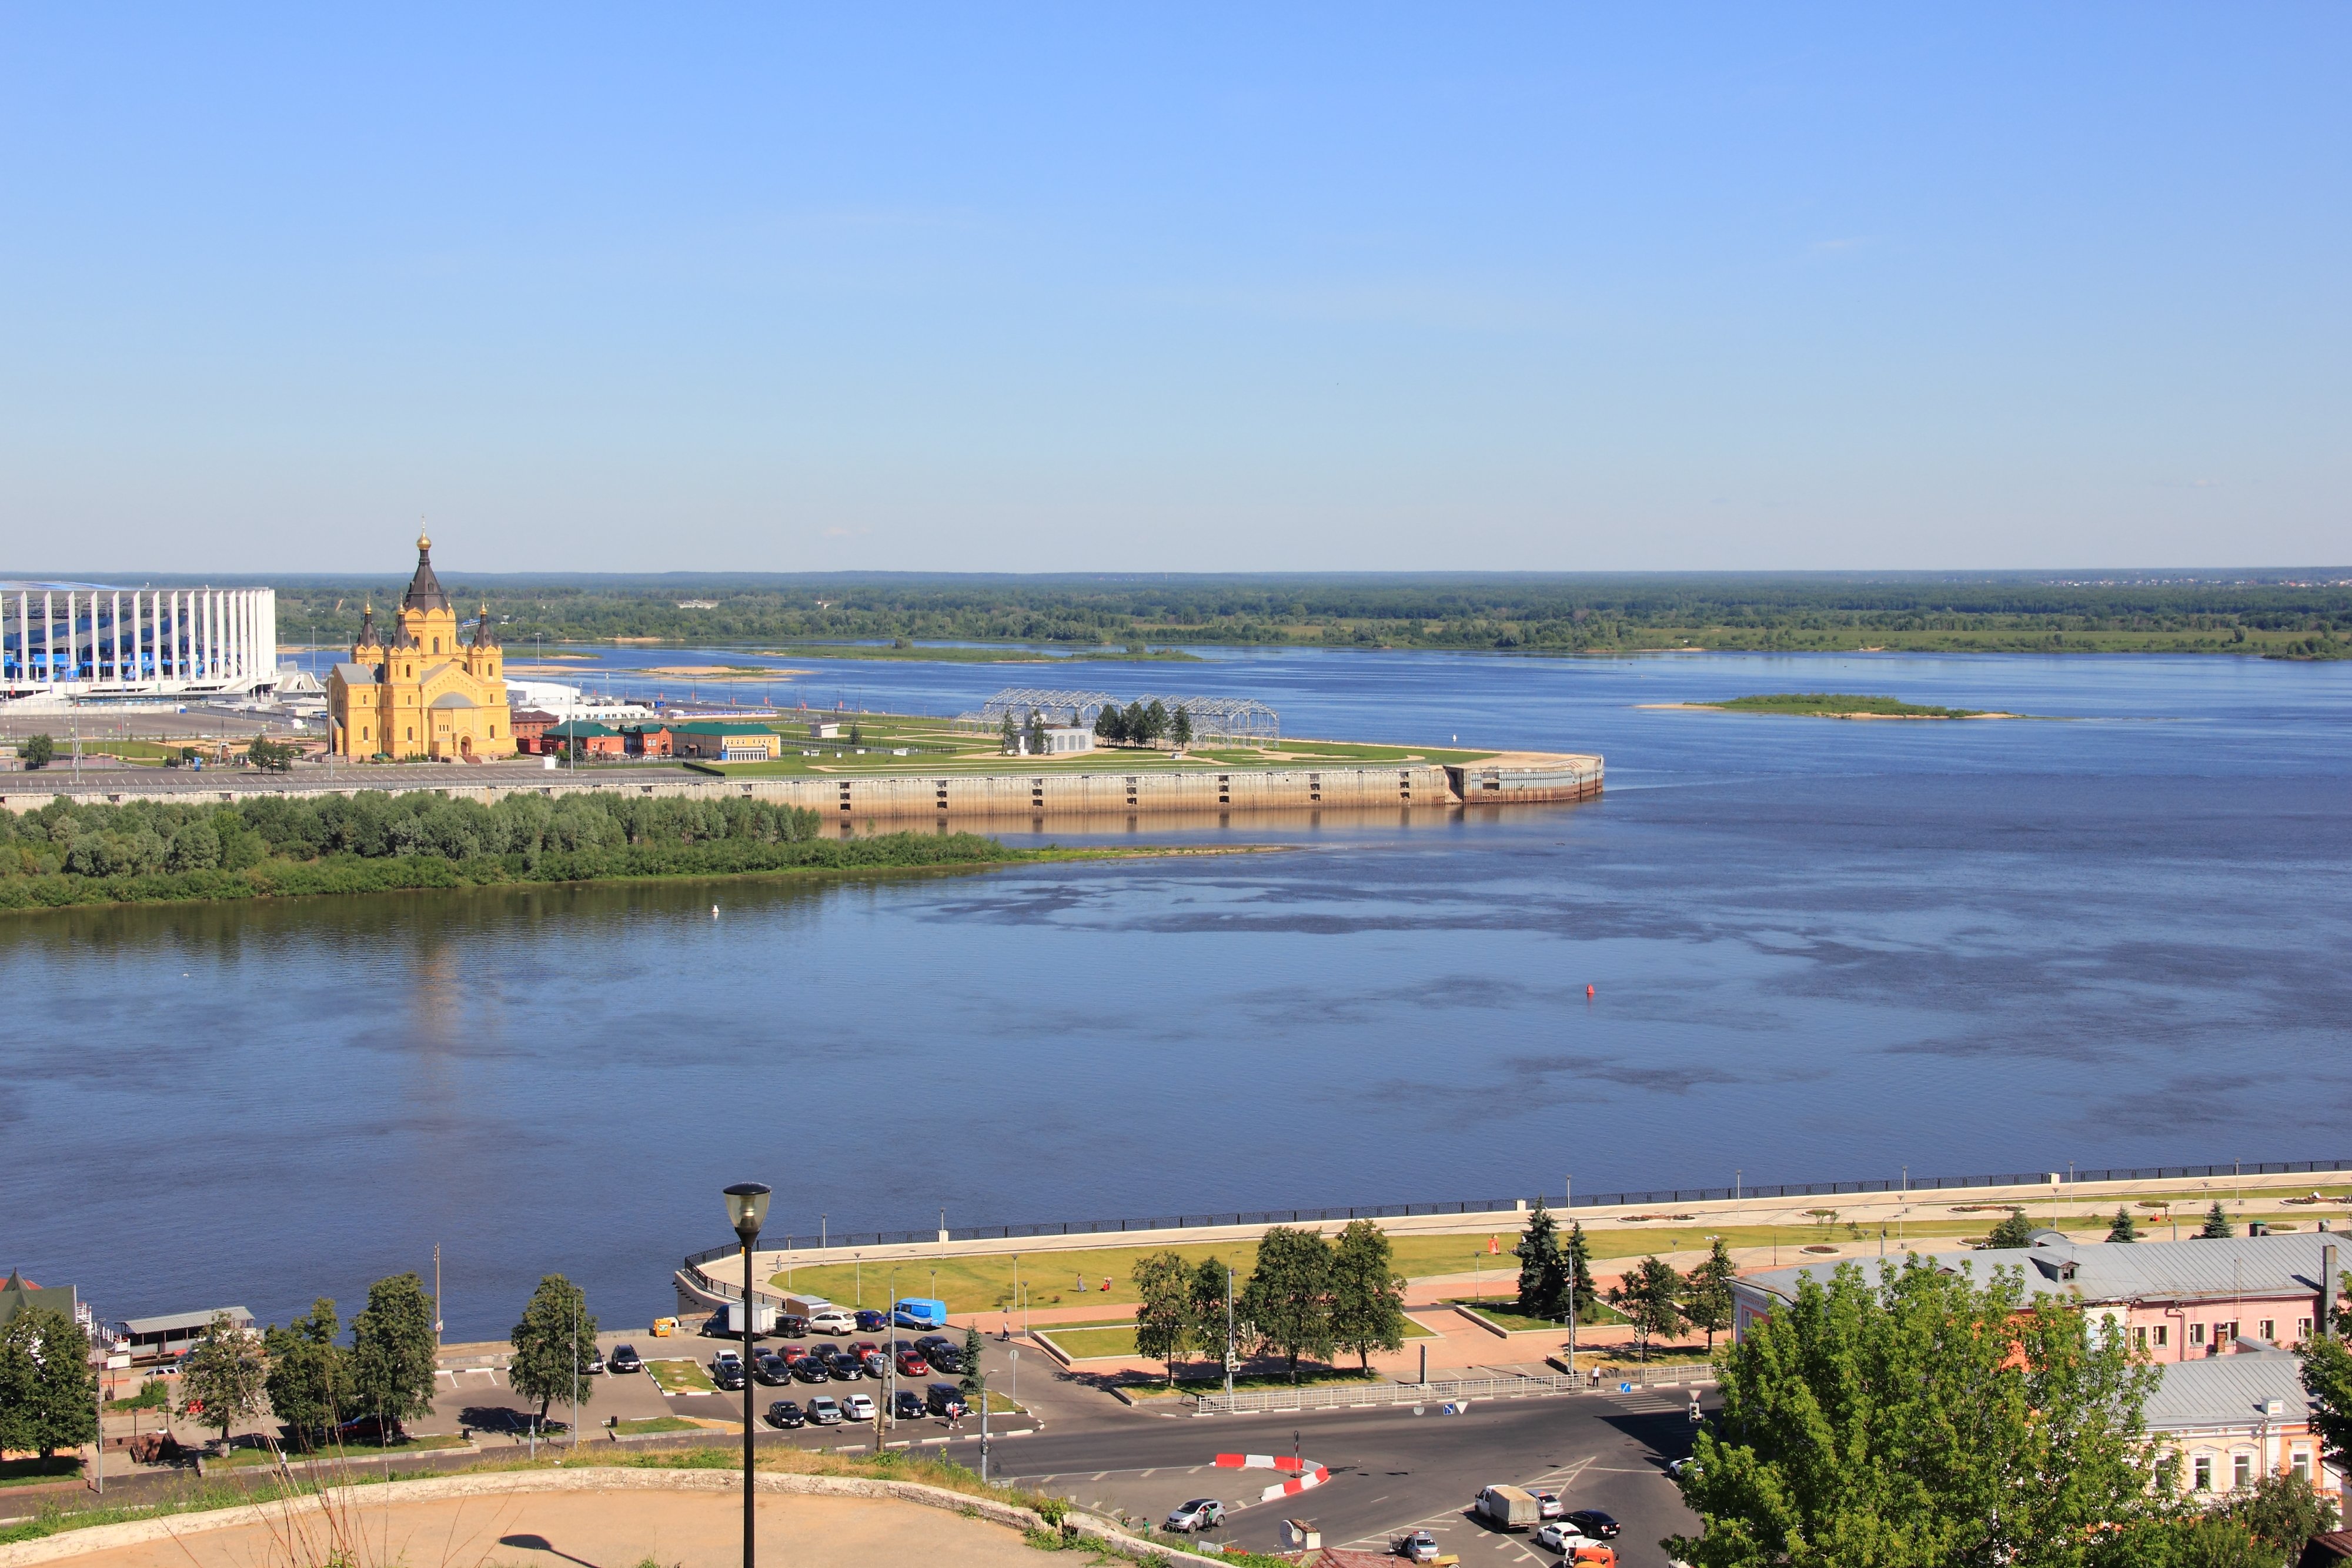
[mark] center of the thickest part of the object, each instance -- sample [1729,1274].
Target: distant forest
[2272,615]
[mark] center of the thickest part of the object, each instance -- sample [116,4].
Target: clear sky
[1183,288]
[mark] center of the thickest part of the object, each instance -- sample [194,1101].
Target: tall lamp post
[747,1206]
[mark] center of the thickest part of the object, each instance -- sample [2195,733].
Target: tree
[224,1375]
[1110,725]
[1211,1284]
[1650,1295]
[1137,725]
[1155,720]
[1926,1420]
[309,1380]
[1034,736]
[974,1383]
[1577,1252]
[1707,1293]
[2124,1229]
[856,732]
[1008,734]
[269,755]
[1543,1272]
[1163,1316]
[2015,1231]
[1287,1300]
[1367,1295]
[391,1352]
[48,1396]
[2282,1511]
[1180,729]
[37,750]
[2216,1225]
[552,1344]
[2327,1378]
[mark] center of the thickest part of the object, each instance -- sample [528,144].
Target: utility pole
[1229,1335]
[576,1367]
[1568,1201]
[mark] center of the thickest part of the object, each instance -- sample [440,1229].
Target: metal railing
[1448,1391]
[1935,1183]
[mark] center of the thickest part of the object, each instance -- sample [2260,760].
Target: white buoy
[714,912]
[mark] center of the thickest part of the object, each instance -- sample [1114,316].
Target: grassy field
[1094,1340]
[33,1471]
[646,1424]
[1503,1312]
[1839,704]
[680,1376]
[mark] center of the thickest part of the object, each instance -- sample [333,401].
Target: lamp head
[747,1206]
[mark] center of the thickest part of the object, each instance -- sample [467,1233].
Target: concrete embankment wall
[896,797]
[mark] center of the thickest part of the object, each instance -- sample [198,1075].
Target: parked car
[870,1320]
[833,1319]
[1200,1513]
[844,1366]
[1559,1535]
[862,1348]
[626,1359]
[1419,1547]
[943,1354]
[1548,1506]
[784,1413]
[371,1429]
[1595,1523]
[791,1354]
[810,1369]
[946,1399]
[907,1405]
[876,1364]
[912,1364]
[728,1373]
[857,1408]
[791,1325]
[595,1362]
[1679,1469]
[772,1369]
[823,1411]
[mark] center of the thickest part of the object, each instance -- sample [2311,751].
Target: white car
[833,1319]
[1561,1536]
[857,1408]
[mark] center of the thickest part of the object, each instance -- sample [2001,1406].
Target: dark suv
[626,1359]
[946,1399]
[908,1405]
[941,1353]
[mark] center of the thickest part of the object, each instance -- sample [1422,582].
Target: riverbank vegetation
[2286,615]
[148,851]
[1842,705]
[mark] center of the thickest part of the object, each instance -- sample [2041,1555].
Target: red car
[791,1352]
[863,1348]
[912,1364]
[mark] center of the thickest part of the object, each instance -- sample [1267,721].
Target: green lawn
[679,1377]
[1504,1314]
[646,1424]
[1309,1376]
[1089,1341]
[33,1471]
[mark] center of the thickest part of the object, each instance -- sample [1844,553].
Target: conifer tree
[1707,1293]
[2216,1225]
[2124,1229]
[974,1383]
[1578,1252]
[1181,730]
[1543,1272]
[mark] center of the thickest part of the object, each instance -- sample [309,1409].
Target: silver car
[824,1411]
[1200,1513]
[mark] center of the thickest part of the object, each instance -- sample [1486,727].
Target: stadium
[84,640]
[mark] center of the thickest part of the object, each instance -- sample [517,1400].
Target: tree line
[303,1376]
[1305,1297]
[1556,1279]
[145,850]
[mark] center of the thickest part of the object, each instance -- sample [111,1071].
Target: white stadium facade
[81,640]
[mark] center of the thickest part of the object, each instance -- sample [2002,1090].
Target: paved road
[1390,1469]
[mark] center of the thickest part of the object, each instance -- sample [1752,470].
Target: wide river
[1819,951]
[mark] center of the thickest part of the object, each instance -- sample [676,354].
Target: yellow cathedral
[423,694]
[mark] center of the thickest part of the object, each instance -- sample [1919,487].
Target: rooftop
[2230,1390]
[2259,1266]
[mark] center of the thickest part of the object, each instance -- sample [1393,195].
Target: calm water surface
[1820,951]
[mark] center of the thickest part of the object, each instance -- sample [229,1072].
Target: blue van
[919,1313]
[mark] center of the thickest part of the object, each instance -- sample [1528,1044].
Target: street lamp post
[747,1206]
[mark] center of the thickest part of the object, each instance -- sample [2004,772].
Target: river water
[1819,951]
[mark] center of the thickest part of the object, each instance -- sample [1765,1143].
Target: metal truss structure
[1233,720]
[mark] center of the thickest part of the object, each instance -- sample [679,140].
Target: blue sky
[1045,288]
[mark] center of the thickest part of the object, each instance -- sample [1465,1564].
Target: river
[1820,950]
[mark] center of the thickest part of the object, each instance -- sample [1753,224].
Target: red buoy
[1588,993]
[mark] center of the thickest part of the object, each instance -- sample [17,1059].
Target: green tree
[1288,1302]
[2216,1225]
[2282,1511]
[270,755]
[1008,735]
[1923,1422]
[1366,1294]
[552,1344]
[1210,1283]
[2015,1231]
[1034,736]
[1163,1315]
[1110,725]
[2124,1229]
[1706,1292]
[309,1383]
[1650,1295]
[391,1352]
[49,1394]
[974,1383]
[1577,1253]
[1180,729]
[224,1375]
[1543,1273]
[1135,726]
[856,732]
[36,750]
[2327,1378]
[1155,720]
